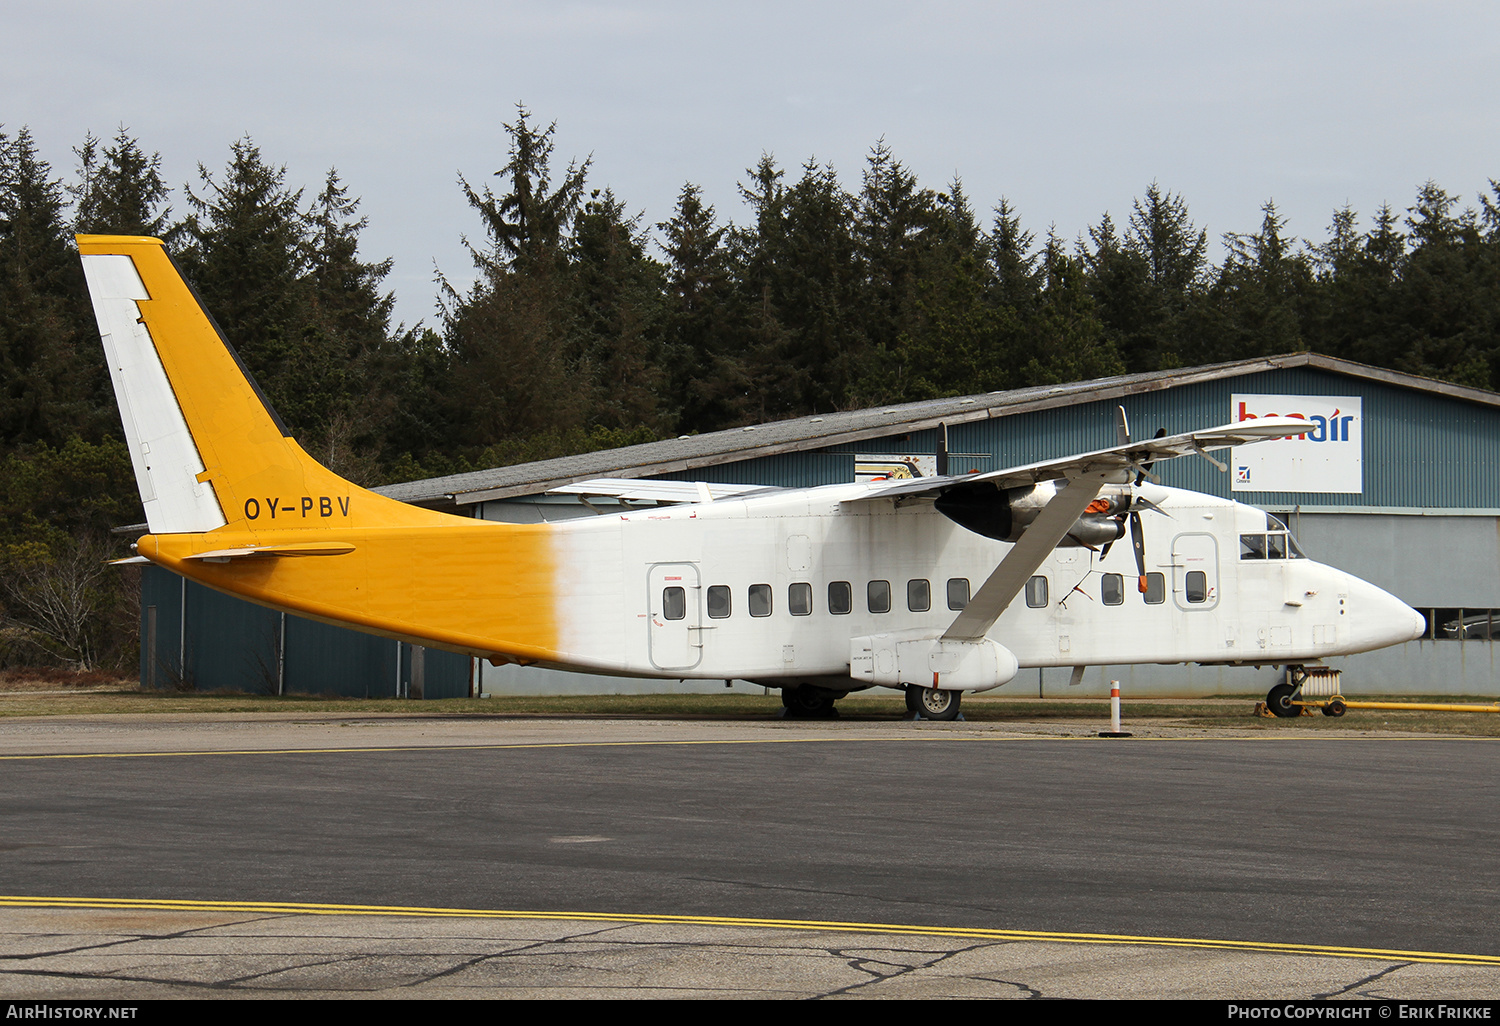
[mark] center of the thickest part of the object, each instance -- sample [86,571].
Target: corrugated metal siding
[788,470]
[233,645]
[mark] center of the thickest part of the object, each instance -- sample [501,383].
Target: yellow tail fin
[208,449]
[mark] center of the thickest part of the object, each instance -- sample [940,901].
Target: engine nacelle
[1004,515]
[904,657]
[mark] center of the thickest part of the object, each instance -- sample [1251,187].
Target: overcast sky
[1069,109]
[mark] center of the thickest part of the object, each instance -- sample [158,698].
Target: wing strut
[1035,545]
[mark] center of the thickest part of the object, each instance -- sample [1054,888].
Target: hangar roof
[692,452]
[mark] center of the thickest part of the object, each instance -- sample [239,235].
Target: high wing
[1117,462]
[631,490]
[1086,474]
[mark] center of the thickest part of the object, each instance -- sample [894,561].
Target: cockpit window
[1275,545]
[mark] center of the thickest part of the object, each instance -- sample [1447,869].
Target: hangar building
[1395,491]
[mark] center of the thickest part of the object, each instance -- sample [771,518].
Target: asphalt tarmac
[628,858]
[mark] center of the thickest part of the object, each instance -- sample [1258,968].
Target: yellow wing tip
[96,244]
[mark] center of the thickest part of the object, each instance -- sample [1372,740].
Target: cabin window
[1156,589]
[673,603]
[1112,589]
[1195,586]
[918,596]
[1036,592]
[760,600]
[958,592]
[1275,546]
[799,599]
[878,596]
[1252,546]
[719,602]
[840,597]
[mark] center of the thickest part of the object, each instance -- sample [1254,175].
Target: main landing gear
[932,704]
[810,702]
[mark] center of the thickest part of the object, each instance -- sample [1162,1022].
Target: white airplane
[934,586]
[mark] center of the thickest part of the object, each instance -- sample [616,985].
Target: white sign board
[1327,458]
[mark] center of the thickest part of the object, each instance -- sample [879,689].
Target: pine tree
[52,375]
[1017,283]
[516,373]
[617,293]
[527,226]
[1256,305]
[120,190]
[703,373]
[245,249]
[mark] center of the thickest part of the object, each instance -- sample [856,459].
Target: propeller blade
[1122,427]
[1146,467]
[1138,542]
[1141,502]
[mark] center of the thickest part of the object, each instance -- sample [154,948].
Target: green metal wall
[229,644]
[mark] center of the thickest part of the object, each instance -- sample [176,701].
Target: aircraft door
[674,610]
[1195,572]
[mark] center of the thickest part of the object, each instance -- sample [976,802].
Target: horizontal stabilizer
[274,551]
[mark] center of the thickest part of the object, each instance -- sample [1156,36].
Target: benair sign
[1327,458]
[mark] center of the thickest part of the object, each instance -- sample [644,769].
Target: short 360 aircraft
[935,585]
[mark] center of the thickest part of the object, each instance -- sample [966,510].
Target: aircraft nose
[1387,620]
[1416,625]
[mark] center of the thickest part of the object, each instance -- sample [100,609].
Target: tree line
[589,327]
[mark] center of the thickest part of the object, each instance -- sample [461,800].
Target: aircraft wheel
[808,702]
[913,699]
[1335,707]
[933,704]
[1279,701]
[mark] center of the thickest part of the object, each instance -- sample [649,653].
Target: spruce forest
[590,326]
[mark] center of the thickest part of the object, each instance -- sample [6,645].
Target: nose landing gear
[1307,688]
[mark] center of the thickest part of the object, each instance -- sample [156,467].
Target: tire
[1279,701]
[913,699]
[933,704]
[1335,707]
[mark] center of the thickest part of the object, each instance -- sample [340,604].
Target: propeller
[1135,503]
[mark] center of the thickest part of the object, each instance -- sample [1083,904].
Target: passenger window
[958,592]
[1156,589]
[760,600]
[719,603]
[1036,592]
[878,596]
[840,597]
[1112,589]
[799,599]
[1196,586]
[918,596]
[674,603]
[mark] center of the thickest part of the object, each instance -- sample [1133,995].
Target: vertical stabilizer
[209,452]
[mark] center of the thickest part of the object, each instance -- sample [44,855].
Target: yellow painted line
[461,748]
[417,911]
[722,741]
